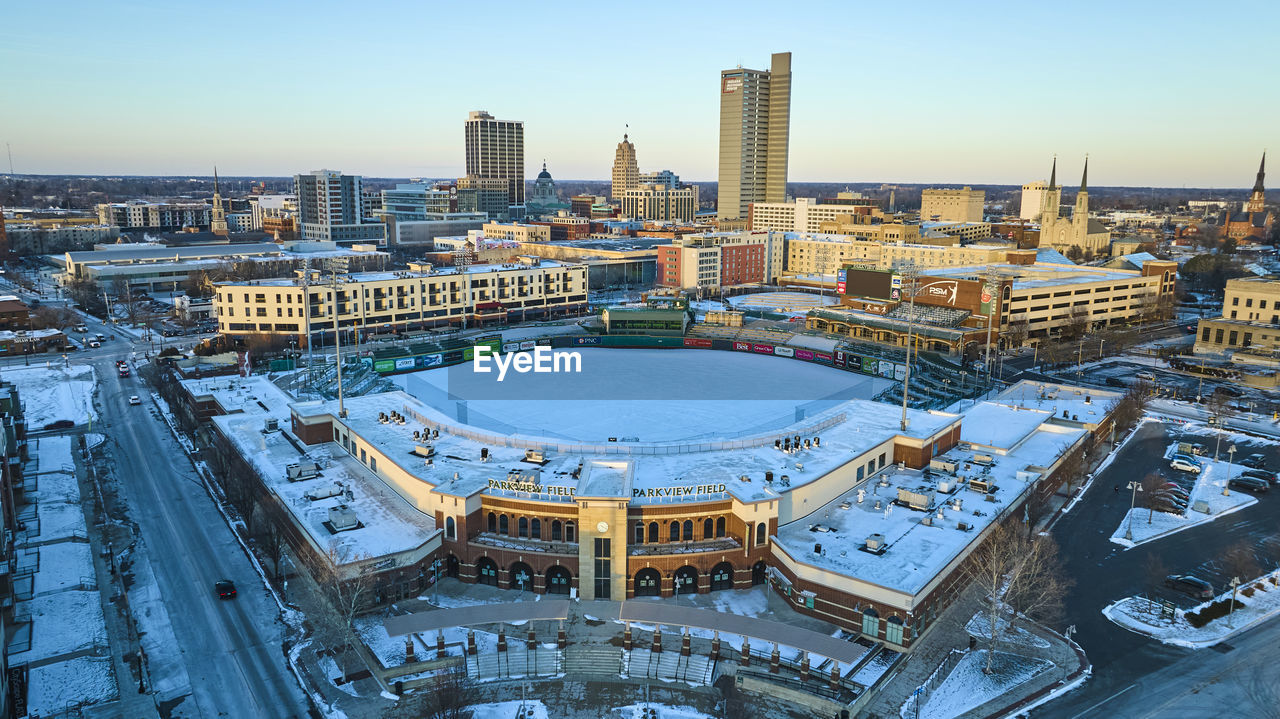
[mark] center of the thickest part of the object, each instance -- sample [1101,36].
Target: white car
[1185,466]
[134,399]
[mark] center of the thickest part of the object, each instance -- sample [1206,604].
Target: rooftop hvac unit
[271,424]
[817,549]
[983,459]
[424,450]
[535,455]
[342,518]
[927,520]
[978,485]
[302,470]
[915,499]
[329,490]
[876,543]
[945,487]
[962,526]
[944,465]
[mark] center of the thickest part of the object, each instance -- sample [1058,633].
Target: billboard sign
[784,351]
[697,342]
[867,282]
[742,346]
[763,349]
[804,355]
[842,278]
[943,291]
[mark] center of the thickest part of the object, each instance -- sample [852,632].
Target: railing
[920,697]
[685,547]
[501,541]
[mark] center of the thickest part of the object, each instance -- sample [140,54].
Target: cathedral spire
[1262,171]
[1084,179]
[1053,174]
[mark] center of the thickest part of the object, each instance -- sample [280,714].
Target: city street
[1104,572]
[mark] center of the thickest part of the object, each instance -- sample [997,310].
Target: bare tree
[447,697]
[1020,574]
[1153,495]
[273,544]
[1016,335]
[1240,561]
[348,590]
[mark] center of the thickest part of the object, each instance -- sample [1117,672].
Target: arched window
[720,527]
[535,530]
[708,527]
[450,529]
[524,527]
[639,532]
[503,527]
[568,532]
[871,623]
[762,532]
[688,530]
[674,534]
[557,530]
[653,532]
[493,522]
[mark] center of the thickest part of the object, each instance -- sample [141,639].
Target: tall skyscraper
[755,121]
[626,173]
[495,150]
[329,208]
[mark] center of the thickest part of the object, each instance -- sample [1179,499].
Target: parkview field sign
[508,485]
[678,491]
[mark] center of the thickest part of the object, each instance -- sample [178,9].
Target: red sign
[822,357]
[742,346]
[839,358]
[763,349]
[804,354]
[696,342]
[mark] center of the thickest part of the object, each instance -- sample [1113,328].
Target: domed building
[543,199]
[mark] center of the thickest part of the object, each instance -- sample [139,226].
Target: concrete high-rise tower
[626,173]
[218,216]
[495,150]
[755,123]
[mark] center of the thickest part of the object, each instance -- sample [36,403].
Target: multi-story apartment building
[720,259]
[495,150]
[417,201]
[1250,320]
[963,230]
[626,173]
[159,216]
[1032,200]
[517,231]
[263,207]
[420,297]
[658,202]
[330,208]
[662,178]
[755,123]
[806,214]
[963,205]
[44,239]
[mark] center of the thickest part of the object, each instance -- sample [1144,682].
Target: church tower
[1080,216]
[1050,199]
[1258,199]
[218,218]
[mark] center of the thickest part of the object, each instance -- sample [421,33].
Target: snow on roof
[916,552]
[1038,275]
[1088,405]
[1000,426]
[390,524]
[1137,259]
[1052,256]
[399,274]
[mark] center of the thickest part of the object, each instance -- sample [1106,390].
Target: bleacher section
[926,314]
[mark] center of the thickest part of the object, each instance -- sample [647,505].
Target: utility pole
[1136,487]
[908,285]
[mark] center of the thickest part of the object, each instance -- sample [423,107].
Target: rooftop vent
[342,518]
[875,543]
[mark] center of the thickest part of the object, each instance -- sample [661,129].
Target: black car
[1264,475]
[1188,584]
[1227,390]
[225,589]
[1116,382]
[1249,484]
[1255,460]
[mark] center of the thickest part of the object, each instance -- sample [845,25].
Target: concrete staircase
[593,659]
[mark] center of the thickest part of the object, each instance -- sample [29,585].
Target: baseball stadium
[662,466]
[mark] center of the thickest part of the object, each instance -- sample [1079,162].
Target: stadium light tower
[908,271]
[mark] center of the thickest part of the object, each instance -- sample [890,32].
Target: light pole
[1235,582]
[1134,487]
[1231,456]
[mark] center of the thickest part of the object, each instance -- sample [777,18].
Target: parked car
[134,399]
[1176,492]
[1255,460]
[81,328]
[94,344]
[1185,465]
[1230,391]
[1188,584]
[1148,376]
[1249,484]
[225,589]
[1264,475]
[1116,382]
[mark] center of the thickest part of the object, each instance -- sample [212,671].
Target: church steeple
[1084,178]
[1053,174]
[218,217]
[1258,199]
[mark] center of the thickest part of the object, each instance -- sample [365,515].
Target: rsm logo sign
[541,360]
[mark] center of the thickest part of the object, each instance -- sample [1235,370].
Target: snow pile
[54,392]
[639,711]
[530,709]
[967,687]
[1140,615]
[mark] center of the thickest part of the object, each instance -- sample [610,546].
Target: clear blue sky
[1166,94]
